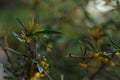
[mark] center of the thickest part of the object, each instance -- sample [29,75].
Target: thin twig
[9,60]
[95,73]
[48,75]
[62,77]
[22,24]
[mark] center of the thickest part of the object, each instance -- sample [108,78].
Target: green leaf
[46,32]
[12,50]
[40,69]
[92,46]
[18,37]
[45,44]
[21,24]
[112,41]
[35,61]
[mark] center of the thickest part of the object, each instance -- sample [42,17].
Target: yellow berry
[47,66]
[113,64]
[23,41]
[38,56]
[42,75]
[43,63]
[44,59]
[118,54]
[83,65]
[104,53]
[106,60]
[33,78]
[99,59]
[37,75]
[95,55]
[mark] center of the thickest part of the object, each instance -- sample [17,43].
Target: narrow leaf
[21,24]
[14,51]
[46,32]
[92,46]
[112,41]
[40,69]
[18,37]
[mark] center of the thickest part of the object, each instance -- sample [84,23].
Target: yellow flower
[44,64]
[32,27]
[38,76]
[83,65]
[28,40]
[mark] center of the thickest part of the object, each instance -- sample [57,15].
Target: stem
[35,12]
[95,73]
[62,77]
[22,24]
[48,75]
[9,60]
[32,69]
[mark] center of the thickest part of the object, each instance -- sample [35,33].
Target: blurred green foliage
[72,18]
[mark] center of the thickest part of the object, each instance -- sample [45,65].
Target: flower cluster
[100,58]
[84,65]
[27,40]
[45,66]
[38,76]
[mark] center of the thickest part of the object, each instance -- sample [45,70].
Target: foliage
[98,54]
[90,40]
[25,65]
